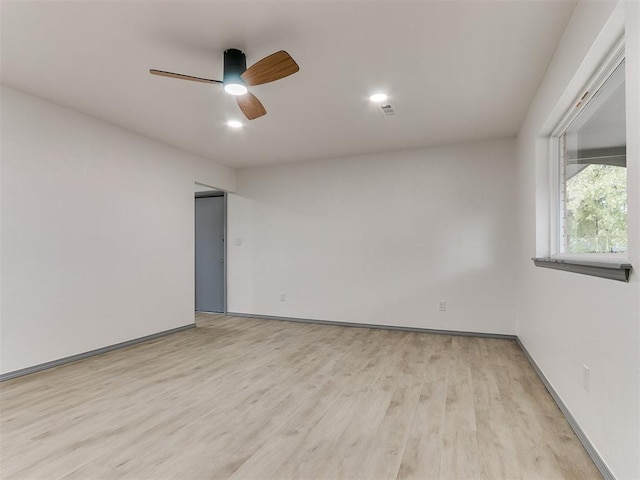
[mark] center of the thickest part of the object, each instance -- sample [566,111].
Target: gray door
[210,254]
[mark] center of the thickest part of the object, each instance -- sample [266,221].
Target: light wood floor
[260,399]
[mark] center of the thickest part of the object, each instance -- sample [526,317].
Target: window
[593,174]
[588,227]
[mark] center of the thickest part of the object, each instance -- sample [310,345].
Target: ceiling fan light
[235,88]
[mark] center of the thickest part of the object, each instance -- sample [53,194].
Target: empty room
[323,239]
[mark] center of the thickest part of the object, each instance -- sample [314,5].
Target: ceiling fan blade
[250,106]
[274,67]
[182,77]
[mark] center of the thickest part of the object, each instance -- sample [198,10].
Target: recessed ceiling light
[378,97]
[234,124]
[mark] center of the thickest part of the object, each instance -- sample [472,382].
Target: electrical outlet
[442,306]
[238,242]
[586,380]
[283,296]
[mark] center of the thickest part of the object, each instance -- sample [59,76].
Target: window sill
[611,269]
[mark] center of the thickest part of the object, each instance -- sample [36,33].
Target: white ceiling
[455,70]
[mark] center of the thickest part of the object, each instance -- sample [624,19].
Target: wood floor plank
[423,452]
[496,451]
[258,399]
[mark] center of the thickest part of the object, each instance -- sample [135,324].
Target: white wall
[379,239]
[97,232]
[566,320]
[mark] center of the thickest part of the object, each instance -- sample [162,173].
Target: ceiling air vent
[387,110]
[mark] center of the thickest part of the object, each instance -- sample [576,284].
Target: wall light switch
[238,242]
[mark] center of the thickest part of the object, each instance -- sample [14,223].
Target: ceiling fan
[237,77]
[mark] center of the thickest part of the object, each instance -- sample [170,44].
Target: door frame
[215,193]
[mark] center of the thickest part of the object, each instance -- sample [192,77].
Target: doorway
[210,219]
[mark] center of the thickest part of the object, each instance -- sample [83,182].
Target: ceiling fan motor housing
[235,63]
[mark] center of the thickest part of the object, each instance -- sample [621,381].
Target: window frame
[615,266]
[604,72]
